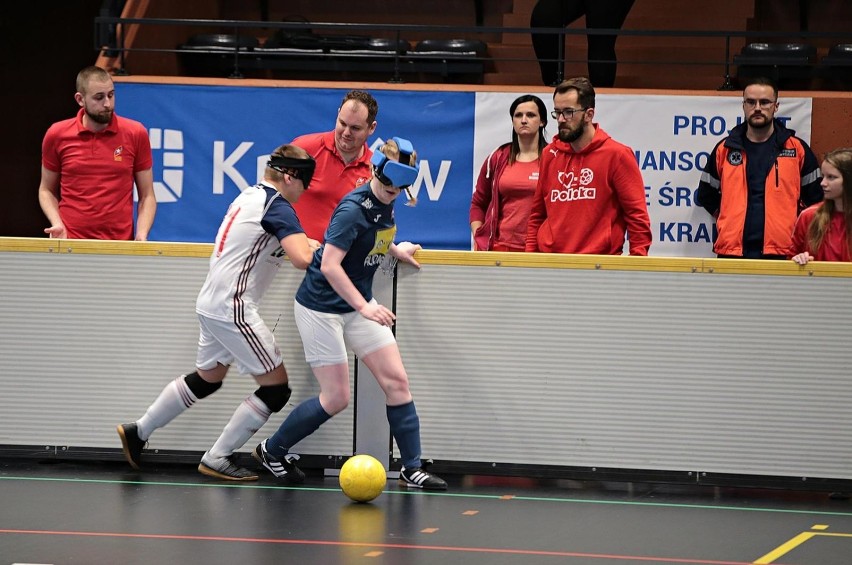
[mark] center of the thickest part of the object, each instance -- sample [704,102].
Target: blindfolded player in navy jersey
[335,306]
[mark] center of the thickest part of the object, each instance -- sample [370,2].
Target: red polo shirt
[96,174]
[332,180]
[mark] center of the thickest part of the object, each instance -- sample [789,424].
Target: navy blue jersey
[362,226]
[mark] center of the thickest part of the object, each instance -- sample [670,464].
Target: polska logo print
[574,187]
[735,158]
[568,179]
[565,179]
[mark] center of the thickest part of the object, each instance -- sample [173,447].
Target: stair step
[675,80]
[517,65]
[524,79]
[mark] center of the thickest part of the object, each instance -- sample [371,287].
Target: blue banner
[210,142]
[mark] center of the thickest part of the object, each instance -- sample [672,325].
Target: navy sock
[405,428]
[302,422]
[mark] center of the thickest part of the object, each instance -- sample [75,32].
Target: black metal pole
[236,73]
[397,77]
[727,85]
[119,34]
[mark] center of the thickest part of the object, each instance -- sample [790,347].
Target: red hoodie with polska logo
[586,200]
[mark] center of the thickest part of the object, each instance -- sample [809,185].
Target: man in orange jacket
[757,180]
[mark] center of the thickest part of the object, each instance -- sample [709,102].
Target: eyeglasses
[567,113]
[763,102]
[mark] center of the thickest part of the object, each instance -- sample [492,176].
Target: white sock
[249,417]
[175,398]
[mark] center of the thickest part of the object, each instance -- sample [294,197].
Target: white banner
[672,136]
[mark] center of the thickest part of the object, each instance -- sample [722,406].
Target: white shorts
[250,346]
[325,336]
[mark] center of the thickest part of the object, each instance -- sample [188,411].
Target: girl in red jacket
[502,199]
[822,231]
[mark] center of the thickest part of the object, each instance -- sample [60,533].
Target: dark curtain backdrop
[42,51]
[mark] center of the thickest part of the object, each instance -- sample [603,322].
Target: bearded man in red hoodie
[590,191]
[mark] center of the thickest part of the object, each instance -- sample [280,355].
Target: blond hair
[390,149]
[841,159]
[88,74]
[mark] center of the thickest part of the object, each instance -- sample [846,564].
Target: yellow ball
[362,478]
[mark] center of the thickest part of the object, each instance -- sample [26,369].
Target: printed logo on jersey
[168,145]
[574,187]
[787,153]
[384,238]
[368,204]
[116,155]
[735,158]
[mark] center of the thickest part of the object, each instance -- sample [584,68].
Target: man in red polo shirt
[89,165]
[343,161]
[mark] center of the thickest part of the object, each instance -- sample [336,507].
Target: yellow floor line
[785,548]
[796,542]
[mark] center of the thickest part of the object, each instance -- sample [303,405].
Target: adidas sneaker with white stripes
[418,478]
[282,468]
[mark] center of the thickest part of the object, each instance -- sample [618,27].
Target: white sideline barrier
[701,366]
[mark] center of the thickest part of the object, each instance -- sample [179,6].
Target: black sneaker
[224,468]
[131,444]
[418,478]
[283,468]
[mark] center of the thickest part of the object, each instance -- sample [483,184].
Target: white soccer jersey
[247,253]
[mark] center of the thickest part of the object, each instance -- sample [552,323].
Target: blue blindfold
[399,174]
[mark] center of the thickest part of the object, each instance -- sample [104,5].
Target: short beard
[763,127]
[570,136]
[100,118]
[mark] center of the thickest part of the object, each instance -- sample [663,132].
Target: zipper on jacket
[776,173]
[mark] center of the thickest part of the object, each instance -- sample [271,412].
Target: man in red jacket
[590,191]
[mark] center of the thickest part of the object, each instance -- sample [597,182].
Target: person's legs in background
[604,14]
[552,14]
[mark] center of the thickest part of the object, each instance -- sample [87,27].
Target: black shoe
[283,468]
[224,468]
[131,444]
[418,478]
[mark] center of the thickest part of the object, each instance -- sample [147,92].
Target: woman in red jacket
[501,202]
[823,231]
